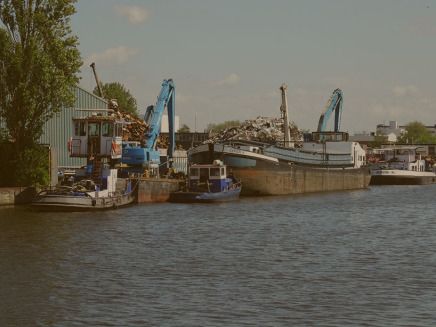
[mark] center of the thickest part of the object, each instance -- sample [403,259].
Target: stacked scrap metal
[134,129]
[261,129]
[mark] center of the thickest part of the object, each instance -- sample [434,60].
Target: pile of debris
[135,127]
[261,129]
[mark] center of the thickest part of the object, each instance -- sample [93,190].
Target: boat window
[118,130]
[215,172]
[222,172]
[94,129]
[194,171]
[204,174]
[79,128]
[107,129]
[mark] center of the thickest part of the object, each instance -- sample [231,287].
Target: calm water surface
[361,258]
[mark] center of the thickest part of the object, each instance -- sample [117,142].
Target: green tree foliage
[115,90]
[184,129]
[215,128]
[39,63]
[417,133]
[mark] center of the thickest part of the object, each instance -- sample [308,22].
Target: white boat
[401,166]
[85,195]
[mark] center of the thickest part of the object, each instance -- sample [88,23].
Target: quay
[16,195]
[149,190]
[152,189]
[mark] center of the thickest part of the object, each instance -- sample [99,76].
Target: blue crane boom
[153,117]
[333,105]
[148,155]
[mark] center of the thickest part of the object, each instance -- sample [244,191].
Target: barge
[325,162]
[272,170]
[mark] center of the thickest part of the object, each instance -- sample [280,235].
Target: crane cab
[97,136]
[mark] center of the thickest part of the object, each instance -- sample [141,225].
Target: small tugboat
[208,183]
[98,138]
[86,195]
[401,166]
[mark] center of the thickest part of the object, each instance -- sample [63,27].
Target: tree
[222,126]
[115,90]
[416,133]
[39,65]
[184,129]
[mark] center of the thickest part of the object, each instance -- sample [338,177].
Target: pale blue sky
[228,58]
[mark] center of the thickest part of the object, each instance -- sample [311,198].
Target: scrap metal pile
[261,129]
[135,129]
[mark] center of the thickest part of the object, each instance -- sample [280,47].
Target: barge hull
[402,180]
[300,179]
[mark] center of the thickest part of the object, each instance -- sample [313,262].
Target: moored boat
[326,162]
[273,170]
[85,195]
[401,166]
[208,183]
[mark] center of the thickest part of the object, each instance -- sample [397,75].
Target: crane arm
[333,105]
[154,114]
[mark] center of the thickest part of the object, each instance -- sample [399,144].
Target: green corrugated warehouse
[59,128]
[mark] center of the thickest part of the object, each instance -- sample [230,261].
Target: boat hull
[80,203]
[402,177]
[297,180]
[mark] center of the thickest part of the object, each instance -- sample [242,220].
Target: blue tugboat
[208,183]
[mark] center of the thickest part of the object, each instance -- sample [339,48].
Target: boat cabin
[97,136]
[211,178]
[403,158]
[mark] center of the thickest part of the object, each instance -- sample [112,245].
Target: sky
[228,58]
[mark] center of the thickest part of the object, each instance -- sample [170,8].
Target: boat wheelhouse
[97,136]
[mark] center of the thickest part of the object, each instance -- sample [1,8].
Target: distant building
[363,137]
[393,131]
[431,129]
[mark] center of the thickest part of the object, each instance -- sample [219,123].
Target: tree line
[39,69]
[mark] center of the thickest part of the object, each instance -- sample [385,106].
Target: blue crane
[334,104]
[148,155]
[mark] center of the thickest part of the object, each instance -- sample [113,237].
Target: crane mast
[284,111]
[100,91]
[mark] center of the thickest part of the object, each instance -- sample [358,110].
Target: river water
[360,258]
